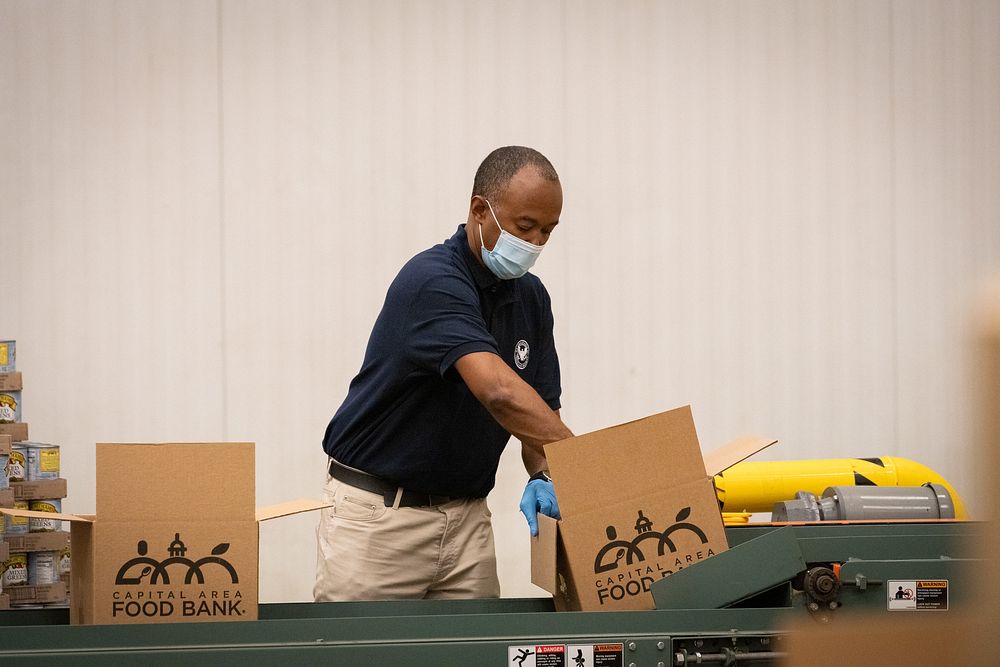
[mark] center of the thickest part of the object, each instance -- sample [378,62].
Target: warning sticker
[595,655]
[925,594]
[537,655]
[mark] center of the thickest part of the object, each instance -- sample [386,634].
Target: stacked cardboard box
[167,546]
[29,477]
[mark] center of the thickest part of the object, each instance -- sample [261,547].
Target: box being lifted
[175,537]
[638,503]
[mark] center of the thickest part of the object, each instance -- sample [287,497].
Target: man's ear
[478,208]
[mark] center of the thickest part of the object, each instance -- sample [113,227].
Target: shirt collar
[484,277]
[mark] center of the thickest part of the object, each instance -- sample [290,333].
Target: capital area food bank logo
[626,559]
[146,570]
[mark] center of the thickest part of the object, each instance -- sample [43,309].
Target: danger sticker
[918,595]
[537,655]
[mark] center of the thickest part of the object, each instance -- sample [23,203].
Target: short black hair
[500,166]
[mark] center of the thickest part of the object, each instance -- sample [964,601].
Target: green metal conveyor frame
[481,632]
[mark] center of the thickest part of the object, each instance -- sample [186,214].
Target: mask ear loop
[482,242]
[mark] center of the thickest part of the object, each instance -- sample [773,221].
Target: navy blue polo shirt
[408,416]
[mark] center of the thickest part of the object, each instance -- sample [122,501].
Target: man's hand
[539,496]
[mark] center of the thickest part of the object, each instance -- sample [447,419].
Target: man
[460,358]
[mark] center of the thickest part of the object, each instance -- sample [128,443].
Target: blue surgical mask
[511,257]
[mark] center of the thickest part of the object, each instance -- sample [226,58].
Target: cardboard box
[18,432]
[54,541]
[175,536]
[5,443]
[4,601]
[37,594]
[890,640]
[39,489]
[11,382]
[638,503]
[7,497]
[4,553]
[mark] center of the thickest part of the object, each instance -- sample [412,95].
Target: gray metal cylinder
[858,503]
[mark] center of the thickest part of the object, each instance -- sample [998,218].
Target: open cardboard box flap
[625,485]
[261,514]
[637,455]
[623,455]
[290,507]
[543,550]
[735,451]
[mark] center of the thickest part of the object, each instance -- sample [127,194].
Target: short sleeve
[548,381]
[444,323]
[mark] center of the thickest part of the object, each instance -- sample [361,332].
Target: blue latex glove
[539,496]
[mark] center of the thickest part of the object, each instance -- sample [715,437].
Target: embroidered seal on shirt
[521,354]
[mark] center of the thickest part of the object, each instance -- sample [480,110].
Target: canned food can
[65,561]
[10,407]
[17,464]
[44,525]
[42,568]
[15,570]
[43,461]
[8,356]
[4,480]
[18,525]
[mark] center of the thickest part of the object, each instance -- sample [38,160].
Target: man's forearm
[533,460]
[529,419]
[513,402]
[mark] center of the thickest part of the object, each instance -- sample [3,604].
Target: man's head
[516,189]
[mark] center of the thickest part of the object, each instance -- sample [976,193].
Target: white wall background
[774,211]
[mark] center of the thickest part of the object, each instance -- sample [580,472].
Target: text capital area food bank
[162,604]
[183,583]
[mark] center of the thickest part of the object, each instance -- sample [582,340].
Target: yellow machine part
[753,486]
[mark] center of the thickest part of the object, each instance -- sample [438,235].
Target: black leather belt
[385,488]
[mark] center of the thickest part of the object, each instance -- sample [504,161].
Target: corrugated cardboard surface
[38,593]
[148,572]
[177,543]
[617,552]
[54,541]
[289,508]
[81,573]
[5,443]
[733,452]
[39,489]
[543,565]
[637,505]
[177,480]
[11,381]
[629,460]
[902,639]
[18,432]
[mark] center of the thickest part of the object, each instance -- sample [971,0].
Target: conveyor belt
[399,633]
[492,632]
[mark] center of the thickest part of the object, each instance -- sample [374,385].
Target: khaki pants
[367,551]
